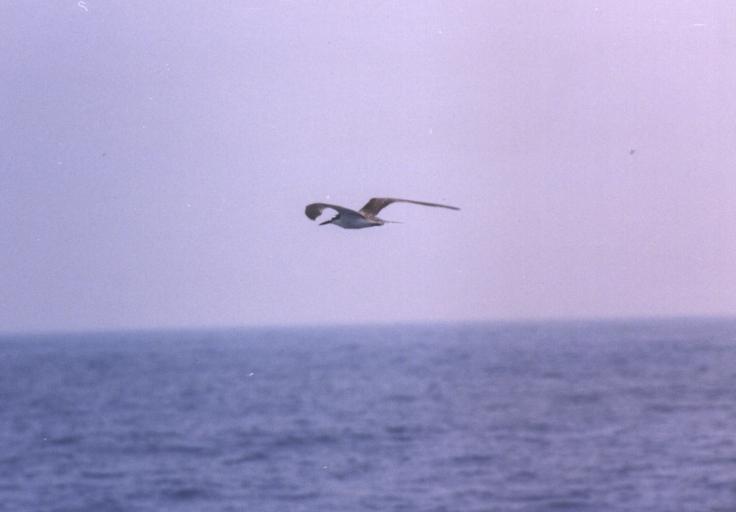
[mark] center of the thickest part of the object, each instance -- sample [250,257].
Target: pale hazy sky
[156,158]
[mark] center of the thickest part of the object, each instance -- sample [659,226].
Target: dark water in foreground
[547,417]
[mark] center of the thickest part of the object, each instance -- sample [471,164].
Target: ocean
[559,416]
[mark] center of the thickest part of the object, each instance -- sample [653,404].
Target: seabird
[366,217]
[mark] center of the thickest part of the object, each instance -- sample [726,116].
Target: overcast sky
[157,156]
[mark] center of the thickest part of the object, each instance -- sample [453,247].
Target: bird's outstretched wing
[377,204]
[314,210]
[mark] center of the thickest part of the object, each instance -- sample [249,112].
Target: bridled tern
[366,217]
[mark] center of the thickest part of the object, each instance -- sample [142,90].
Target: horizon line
[363,325]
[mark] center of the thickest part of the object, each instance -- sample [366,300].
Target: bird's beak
[325,222]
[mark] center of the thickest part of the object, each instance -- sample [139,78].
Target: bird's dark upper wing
[314,210]
[377,204]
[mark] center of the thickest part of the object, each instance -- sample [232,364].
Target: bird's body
[348,221]
[366,217]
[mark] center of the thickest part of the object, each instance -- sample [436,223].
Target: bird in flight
[366,217]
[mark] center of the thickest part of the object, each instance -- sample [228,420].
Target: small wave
[64,440]
[401,432]
[173,449]
[571,505]
[248,457]
[188,494]
[667,408]
[102,475]
[583,398]
[473,459]
[297,496]
[304,440]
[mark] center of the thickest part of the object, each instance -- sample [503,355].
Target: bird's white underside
[355,221]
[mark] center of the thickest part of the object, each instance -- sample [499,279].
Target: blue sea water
[608,416]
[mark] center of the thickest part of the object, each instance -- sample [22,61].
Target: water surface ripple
[498,417]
